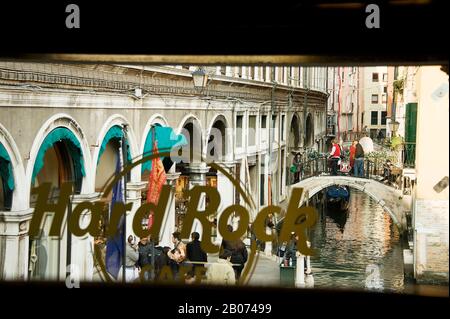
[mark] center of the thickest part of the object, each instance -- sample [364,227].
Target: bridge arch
[391,201]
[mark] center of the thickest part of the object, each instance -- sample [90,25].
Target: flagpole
[124,180]
[152,240]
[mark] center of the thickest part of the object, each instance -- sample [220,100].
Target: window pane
[263,127]
[374,77]
[374,118]
[252,130]
[383,117]
[239,132]
[374,98]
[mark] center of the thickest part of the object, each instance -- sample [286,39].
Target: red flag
[155,182]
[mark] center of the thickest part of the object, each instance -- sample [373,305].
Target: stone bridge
[388,197]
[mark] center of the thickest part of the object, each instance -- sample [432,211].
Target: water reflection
[359,250]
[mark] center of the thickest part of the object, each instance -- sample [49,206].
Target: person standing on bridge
[352,156]
[359,161]
[335,156]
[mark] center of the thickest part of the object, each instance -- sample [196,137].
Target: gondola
[337,198]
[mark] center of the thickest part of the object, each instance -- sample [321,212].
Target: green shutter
[411,122]
[410,134]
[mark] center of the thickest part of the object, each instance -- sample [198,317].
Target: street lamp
[393,126]
[200,78]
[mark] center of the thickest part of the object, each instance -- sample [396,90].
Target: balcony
[409,155]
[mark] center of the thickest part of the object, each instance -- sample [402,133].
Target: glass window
[252,130]
[239,132]
[274,133]
[385,77]
[374,98]
[383,118]
[374,77]
[374,118]
[263,127]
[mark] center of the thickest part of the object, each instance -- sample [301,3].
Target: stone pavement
[266,273]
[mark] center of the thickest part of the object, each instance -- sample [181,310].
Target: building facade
[66,123]
[344,109]
[431,193]
[373,91]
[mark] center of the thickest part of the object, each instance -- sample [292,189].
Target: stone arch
[18,171]
[294,132]
[309,130]
[119,120]
[220,123]
[154,119]
[64,121]
[190,126]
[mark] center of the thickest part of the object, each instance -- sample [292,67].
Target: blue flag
[115,246]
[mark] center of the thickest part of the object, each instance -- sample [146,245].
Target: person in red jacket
[335,156]
[352,154]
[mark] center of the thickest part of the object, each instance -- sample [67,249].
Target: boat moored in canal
[337,198]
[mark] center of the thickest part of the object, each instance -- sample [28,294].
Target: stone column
[226,191]
[14,242]
[82,248]
[268,71]
[197,176]
[244,72]
[134,196]
[168,225]
[300,270]
[268,246]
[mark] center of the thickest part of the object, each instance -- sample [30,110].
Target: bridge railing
[373,169]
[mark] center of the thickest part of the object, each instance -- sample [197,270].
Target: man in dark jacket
[148,252]
[195,253]
[239,254]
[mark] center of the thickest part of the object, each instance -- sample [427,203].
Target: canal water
[359,250]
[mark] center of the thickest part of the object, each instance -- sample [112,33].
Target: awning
[166,139]
[6,172]
[115,132]
[73,146]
